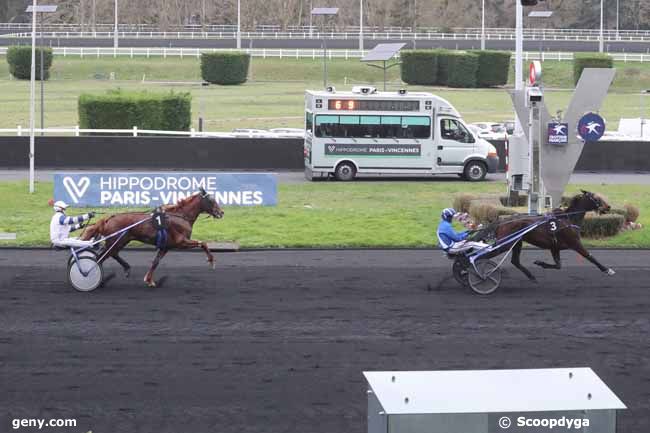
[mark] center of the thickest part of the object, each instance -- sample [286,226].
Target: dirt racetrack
[276,341]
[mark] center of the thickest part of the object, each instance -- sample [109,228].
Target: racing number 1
[160,222]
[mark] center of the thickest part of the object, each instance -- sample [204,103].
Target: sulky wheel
[85,253]
[488,278]
[459,270]
[85,275]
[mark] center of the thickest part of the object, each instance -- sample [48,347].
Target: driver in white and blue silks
[61,225]
[450,240]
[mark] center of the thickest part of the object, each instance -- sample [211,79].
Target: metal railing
[284,53]
[468,34]
[134,132]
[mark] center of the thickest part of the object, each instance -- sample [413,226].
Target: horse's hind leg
[148,277]
[516,255]
[556,257]
[584,253]
[114,249]
[125,265]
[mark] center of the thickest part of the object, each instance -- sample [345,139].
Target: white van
[366,131]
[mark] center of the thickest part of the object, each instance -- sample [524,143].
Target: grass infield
[323,214]
[274,95]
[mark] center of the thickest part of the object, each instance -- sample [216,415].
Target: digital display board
[372,105]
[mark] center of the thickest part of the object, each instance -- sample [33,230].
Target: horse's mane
[180,203]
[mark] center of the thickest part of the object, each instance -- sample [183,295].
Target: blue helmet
[448,214]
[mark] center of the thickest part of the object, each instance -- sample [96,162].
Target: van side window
[451,129]
[373,126]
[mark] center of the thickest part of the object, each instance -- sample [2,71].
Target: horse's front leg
[189,243]
[148,277]
[556,257]
[584,253]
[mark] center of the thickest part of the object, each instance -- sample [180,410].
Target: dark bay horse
[180,220]
[560,232]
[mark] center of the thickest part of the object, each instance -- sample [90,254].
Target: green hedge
[419,66]
[462,70]
[225,68]
[493,67]
[600,226]
[19,59]
[589,60]
[124,110]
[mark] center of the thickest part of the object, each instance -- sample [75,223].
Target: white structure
[489,401]
[391,133]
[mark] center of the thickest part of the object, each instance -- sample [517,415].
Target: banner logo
[591,127]
[149,190]
[76,189]
[373,149]
[558,133]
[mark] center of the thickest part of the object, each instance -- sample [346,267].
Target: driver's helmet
[60,206]
[448,214]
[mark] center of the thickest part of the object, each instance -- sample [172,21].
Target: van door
[454,144]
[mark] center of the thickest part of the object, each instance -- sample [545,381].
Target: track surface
[277,341]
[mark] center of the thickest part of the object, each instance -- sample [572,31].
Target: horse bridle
[593,199]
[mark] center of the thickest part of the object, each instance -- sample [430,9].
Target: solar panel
[540,14]
[42,9]
[325,11]
[382,52]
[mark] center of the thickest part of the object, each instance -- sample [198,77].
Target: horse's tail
[95,230]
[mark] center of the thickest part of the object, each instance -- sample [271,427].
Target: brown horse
[181,218]
[560,232]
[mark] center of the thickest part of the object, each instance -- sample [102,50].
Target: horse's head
[593,202]
[209,205]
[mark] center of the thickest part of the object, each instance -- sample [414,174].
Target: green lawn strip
[322,214]
[275,96]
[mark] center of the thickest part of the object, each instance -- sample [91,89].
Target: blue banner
[109,189]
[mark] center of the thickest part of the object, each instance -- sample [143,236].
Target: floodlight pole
[361,26]
[483,24]
[42,84]
[238,24]
[32,102]
[601,40]
[116,43]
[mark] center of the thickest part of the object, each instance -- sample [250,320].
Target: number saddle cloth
[160,222]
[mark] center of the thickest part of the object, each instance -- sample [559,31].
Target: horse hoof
[213,265]
[610,272]
[151,284]
[539,263]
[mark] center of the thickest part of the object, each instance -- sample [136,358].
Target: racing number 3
[553,226]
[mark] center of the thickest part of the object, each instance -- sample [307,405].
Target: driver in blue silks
[452,241]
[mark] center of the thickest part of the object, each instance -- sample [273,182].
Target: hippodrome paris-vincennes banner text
[112,189]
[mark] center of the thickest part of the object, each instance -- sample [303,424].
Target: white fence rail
[136,132]
[501,35]
[284,53]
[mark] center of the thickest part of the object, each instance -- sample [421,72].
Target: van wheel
[345,171]
[475,171]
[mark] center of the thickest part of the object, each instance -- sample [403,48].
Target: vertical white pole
[360,25]
[483,24]
[617,19]
[311,8]
[32,102]
[519,36]
[238,24]
[601,41]
[116,42]
[415,22]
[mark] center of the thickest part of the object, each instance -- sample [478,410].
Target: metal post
[324,62]
[534,193]
[94,16]
[42,83]
[360,25]
[601,40]
[617,36]
[415,23]
[32,102]
[311,8]
[483,24]
[238,24]
[116,43]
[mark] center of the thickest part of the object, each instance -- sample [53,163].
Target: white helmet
[60,206]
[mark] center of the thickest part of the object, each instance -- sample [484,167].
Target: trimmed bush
[600,226]
[419,66]
[589,60]
[457,69]
[124,110]
[493,67]
[225,68]
[462,202]
[486,212]
[19,59]
[631,213]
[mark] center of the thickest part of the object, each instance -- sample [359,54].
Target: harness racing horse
[560,232]
[180,220]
